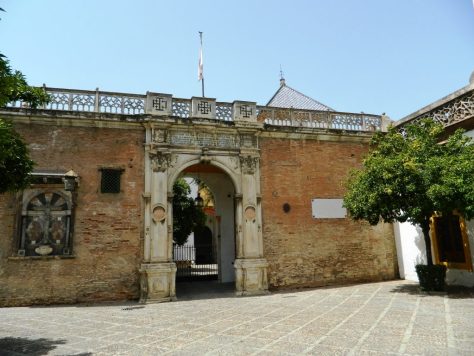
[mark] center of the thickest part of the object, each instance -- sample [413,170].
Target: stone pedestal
[251,276]
[157,282]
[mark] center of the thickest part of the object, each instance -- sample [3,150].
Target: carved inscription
[247,141]
[226,141]
[182,138]
[205,139]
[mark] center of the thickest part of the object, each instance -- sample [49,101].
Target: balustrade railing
[320,119]
[449,110]
[136,104]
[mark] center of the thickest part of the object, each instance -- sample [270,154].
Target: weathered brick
[108,232]
[107,241]
[303,251]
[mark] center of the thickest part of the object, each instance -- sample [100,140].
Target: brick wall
[303,251]
[107,241]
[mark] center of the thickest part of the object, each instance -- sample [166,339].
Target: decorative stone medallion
[250,213]
[159,213]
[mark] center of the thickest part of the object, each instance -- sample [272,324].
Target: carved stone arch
[158,271]
[174,172]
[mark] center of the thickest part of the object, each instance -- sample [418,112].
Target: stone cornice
[108,120]
[73,119]
[316,134]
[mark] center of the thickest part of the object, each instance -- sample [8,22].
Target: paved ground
[379,318]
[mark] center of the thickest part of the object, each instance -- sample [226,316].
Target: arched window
[46,224]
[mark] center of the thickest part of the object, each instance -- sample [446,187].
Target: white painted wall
[223,190]
[411,251]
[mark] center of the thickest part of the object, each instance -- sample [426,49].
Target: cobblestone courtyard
[379,318]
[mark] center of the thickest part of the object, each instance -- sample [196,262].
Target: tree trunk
[425,227]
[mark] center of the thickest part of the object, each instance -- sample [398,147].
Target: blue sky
[392,56]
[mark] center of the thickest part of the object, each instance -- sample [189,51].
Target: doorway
[208,254]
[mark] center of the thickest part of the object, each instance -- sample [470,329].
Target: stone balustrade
[204,108]
[450,110]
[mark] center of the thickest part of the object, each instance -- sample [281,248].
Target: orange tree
[410,175]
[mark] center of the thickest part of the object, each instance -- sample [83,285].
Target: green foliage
[186,216]
[13,86]
[15,164]
[407,177]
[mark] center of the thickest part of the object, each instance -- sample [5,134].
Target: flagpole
[201,67]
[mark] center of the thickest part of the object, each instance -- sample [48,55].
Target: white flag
[200,66]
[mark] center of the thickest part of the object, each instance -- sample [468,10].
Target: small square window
[110,180]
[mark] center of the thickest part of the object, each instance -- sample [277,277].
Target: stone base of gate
[251,276]
[157,282]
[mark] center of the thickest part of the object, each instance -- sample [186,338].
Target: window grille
[110,180]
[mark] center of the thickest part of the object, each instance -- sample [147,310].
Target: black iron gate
[195,262]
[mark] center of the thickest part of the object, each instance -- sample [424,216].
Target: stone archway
[170,149]
[221,221]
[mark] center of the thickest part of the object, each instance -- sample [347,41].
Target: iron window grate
[110,180]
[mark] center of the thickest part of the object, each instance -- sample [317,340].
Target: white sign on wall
[328,209]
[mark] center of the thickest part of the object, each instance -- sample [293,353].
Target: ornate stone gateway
[171,147]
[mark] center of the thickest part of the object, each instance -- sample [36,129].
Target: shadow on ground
[184,291]
[453,292]
[22,346]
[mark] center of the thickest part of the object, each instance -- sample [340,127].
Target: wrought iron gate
[195,262]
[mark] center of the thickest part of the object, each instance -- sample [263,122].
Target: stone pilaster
[251,276]
[157,282]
